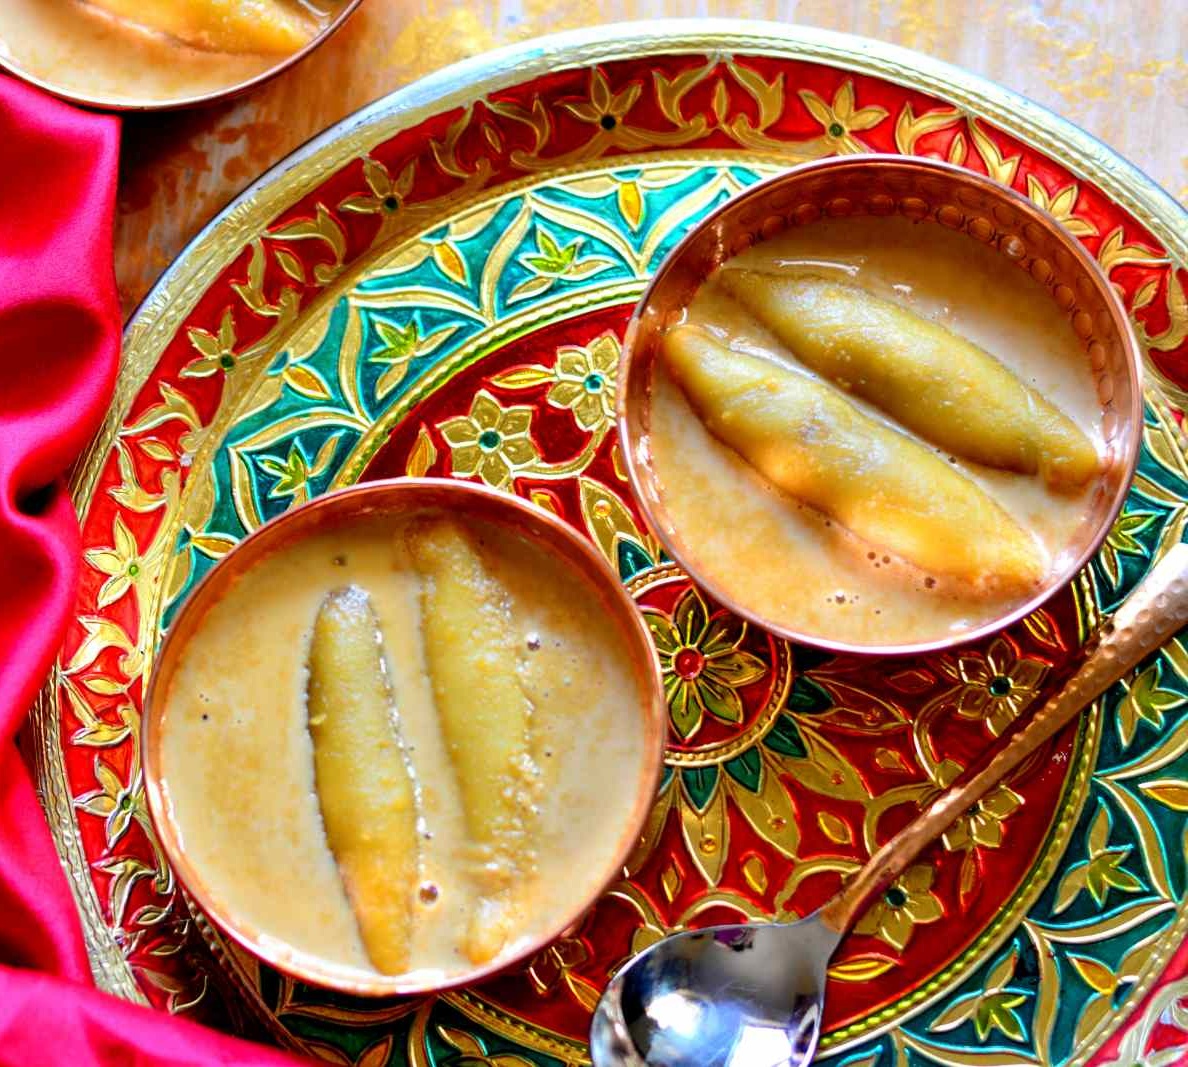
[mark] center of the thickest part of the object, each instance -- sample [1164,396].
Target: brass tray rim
[172,298]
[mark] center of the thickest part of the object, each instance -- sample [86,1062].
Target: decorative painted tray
[440,285]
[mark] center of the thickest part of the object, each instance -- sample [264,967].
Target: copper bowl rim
[102,103]
[639,470]
[392,496]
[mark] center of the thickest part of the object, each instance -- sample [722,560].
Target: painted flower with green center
[703,663]
[906,902]
[585,382]
[840,120]
[216,351]
[998,686]
[121,563]
[492,441]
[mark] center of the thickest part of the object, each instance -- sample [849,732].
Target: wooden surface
[1116,68]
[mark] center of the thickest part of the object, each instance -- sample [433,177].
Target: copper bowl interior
[931,193]
[402,498]
[13,66]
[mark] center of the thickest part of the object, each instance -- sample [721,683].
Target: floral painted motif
[907,903]
[703,663]
[586,380]
[121,563]
[981,825]
[998,686]
[492,442]
[840,120]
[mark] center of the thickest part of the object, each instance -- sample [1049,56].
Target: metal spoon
[752,995]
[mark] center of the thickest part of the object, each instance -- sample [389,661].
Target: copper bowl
[931,193]
[237,85]
[401,497]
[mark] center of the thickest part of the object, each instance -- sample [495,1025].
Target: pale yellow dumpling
[484,714]
[364,788]
[262,26]
[934,382]
[805,437]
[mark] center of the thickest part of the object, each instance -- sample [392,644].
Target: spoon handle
[1155,611]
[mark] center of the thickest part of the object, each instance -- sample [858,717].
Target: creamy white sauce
[788,562]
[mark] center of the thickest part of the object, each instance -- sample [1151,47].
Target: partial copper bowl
[398,498]
[931,193]
[12,64]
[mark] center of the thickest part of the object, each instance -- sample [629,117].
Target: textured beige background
[1117,68]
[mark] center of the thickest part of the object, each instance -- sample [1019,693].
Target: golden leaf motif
[825,770]
[997,166]
[671,882]
[755,872]
[544,500]
[669,94]
[1170,792]
[769,811]
[707,835]
[290,264]
[129,493]
[527,376]
[721,103]
[958,149]
[653,828]
[175,405]
[909,128]
[101,634]
[1096,975]
[462,1041]
[1115,251]
[834,828]
[1060,206]
[630,201]
[607,518]
[1176,331]
[422,456]
[769,97]
[377,1054]
[450,262]
[864,967]
[1144,294]
[306,382]
[322,227]
[213,545]
[155,449]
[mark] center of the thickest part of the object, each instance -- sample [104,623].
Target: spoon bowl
[739,996]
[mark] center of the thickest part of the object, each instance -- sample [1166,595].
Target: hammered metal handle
[1155,611]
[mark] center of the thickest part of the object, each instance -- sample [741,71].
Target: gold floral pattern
[492,441]
[981,825]
[904,904]
[586,380]
[997,686]
[121,563]
[702,662]
[216,351]
[605,109]
[840,120]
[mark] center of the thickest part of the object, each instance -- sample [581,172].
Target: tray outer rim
[173,297]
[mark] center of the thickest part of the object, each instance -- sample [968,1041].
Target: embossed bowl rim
[656,303]
[13,66]
[396,497]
